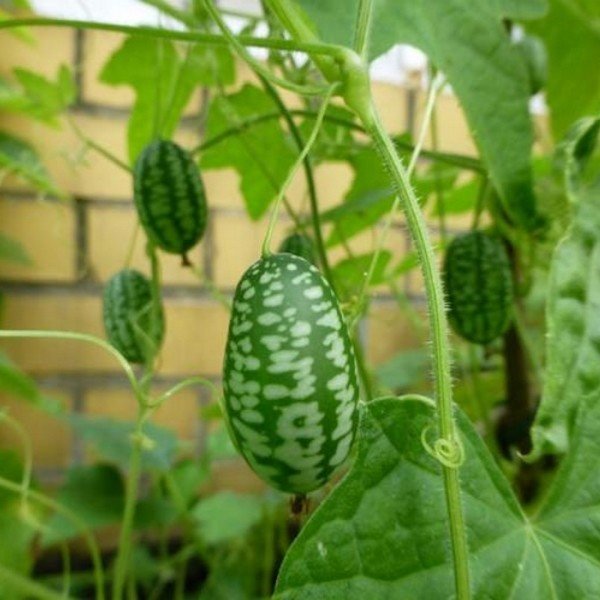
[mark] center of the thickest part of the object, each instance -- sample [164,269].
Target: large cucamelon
[169,197]
[479,286]
[129,322]
[290,382]
[300,245]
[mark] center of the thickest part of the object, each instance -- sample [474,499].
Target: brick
[392,104]
[453,131]
[389,330]
[47,231]
[194,343]
[50,438]
[110,230]
[88,174]
[196,334]
[179,413]
[54,44]
[237,244]
[98,48]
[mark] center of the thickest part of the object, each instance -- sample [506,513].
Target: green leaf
[13,251]
[383,532]
[350,273]
[467,41]
[262,154]
[112,440]
[163,81]
[573,293]
[573,153]
[46,99]
[96,494]
[23,387]
[571,32]
[20,158]
[226,516]
[404,370]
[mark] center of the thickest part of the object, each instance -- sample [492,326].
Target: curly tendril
[447,451]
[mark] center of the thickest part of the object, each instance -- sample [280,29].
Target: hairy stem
[441,354]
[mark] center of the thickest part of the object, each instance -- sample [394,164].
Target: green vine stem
[441,353]
[310,48]
[27,451]
[310,182]
[79,337]
[434,88]
[17,488]
[308,90]
[468,163]
[313,136]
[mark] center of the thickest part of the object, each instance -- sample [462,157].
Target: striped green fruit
[169,197]
[479,287]
[300,245]
[127,313]
[290,383]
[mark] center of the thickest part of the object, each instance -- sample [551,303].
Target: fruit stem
[299,160]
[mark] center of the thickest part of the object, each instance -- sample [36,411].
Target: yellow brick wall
[76,246]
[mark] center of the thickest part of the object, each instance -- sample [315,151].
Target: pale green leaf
[112,440]
[19,157]
[571,32]
[349,273]
[225,516]
[262,155]
[163,79]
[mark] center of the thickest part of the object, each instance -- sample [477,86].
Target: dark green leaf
[262,154]
[18,157]
[383,532]
[226,516]
[96,494]
[467,41]
[16,541]
[112,440]
[571,32]
[13,251]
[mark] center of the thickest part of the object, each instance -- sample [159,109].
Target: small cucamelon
[479,286]
[290,382]
[128,319]
[169,197]
[300,245]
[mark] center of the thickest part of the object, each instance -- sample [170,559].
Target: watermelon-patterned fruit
[127,312]
[300,245]
[479,287]
[169,197]
[290,378]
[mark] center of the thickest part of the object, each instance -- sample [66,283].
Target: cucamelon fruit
[169,197]
[290,382]
[479,286]
[127,314]
[300,245]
